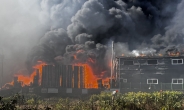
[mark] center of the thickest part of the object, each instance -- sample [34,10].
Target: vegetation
[163,100]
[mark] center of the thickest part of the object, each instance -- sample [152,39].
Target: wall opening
[128,63]
[152,62]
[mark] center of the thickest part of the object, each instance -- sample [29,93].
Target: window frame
[177,80]
[177,61]
[152,64]
[152,79]
[128,60]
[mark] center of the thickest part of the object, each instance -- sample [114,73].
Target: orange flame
[90,78]
[8,84]
[75,57]
[106,82]
[27,80]
[91,60]
[141,55]
[80,51]
[174,53]
[39,67]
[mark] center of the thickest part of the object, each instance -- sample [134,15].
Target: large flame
[90,78]
[27,80]
[39,67]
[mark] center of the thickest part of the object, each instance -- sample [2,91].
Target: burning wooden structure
[65,76]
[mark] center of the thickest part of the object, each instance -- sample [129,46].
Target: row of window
[174,81]
[155,81]
[154,62]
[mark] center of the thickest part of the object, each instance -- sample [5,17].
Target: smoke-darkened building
[157,72]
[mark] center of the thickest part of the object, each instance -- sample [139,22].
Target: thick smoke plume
[173,36]
[19,31]
[81,31]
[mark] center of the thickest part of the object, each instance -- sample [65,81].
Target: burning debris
[173,52]
[27,80]
[77,75]
[22,80]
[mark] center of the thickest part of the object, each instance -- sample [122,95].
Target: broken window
[152,62]
[177,81]
[177,61]
[152,81]
[128,63]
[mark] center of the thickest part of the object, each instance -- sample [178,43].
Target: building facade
[157,72]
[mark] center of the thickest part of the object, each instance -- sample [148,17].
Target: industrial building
[143,73]
[154,72]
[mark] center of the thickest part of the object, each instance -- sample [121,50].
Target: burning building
[48,78]
[70,76]
[65,76]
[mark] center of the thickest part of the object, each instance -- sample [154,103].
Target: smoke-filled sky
[57,30]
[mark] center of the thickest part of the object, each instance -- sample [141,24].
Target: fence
[159,86]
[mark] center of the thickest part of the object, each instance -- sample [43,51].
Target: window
[152,81]
[177,81]
[128,63]
[177,61]
[152,62]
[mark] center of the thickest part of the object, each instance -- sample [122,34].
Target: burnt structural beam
[69,77]
[82,77]
[64,78]
[50,75]
[76,74]
[43,77]
[60,75]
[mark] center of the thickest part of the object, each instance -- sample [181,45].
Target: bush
[166,100]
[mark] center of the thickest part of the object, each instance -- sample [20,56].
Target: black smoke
[81,30]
